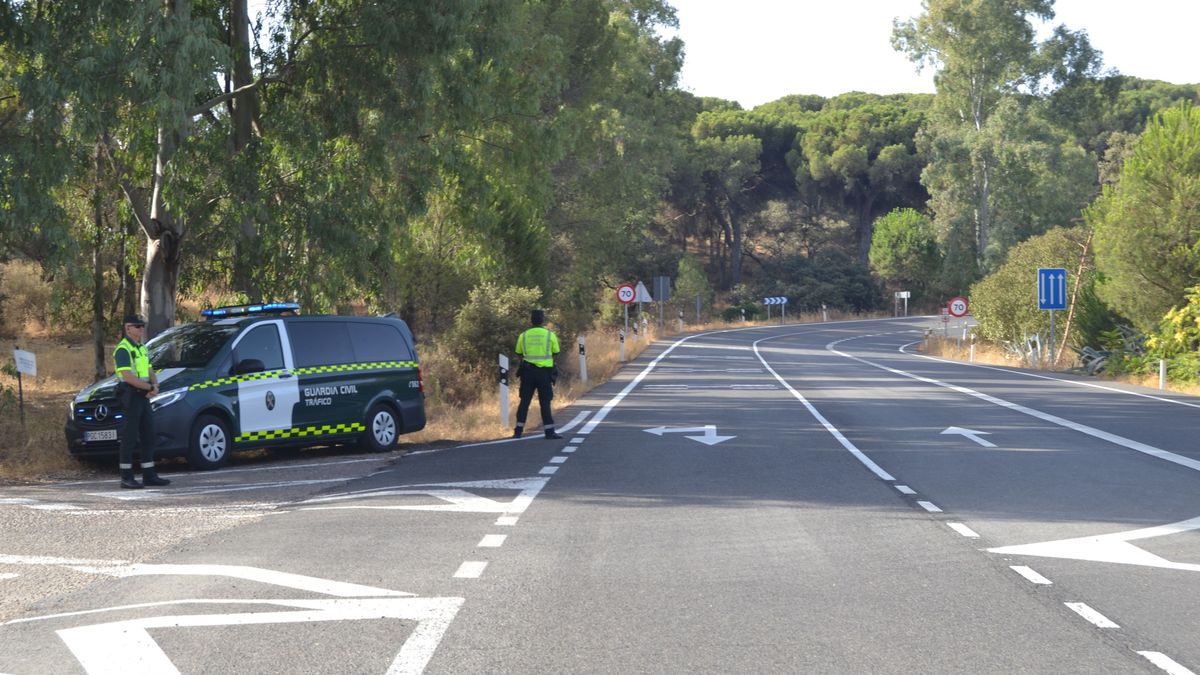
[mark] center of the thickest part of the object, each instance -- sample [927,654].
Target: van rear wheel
[383,428]
[210,443]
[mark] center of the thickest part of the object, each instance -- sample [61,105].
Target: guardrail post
[503,390]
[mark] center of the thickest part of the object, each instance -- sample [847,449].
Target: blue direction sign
[1052,288]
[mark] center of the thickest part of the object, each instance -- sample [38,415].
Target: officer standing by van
[537,347]
[138,383]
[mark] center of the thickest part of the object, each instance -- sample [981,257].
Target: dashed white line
[930,507]
[577,440]
[1166,663]
[8,575]
[492,541]
[507,521]
[1092,616]
[905,490]
[569,449]
[558,460]
[548,470]
[1030,575]
[964,530]
[471,569]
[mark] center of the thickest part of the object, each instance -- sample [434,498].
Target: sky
[755,51]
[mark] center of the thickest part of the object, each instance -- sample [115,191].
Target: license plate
[106,435]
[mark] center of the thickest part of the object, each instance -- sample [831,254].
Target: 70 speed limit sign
[958,306]
[626,293]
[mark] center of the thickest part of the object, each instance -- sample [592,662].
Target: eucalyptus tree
[987,58]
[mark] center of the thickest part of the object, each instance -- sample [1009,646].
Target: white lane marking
[507,521]
[971,434]
[1111,548]
[56,507]
[577,440]
[18,501]
[1166,663]
[904,350]
[905,490]
[273,577]
[671,387]
[562,430]
[8,575]
[708,370]
[454,496]
[753,387]
[558,460]
[1046,417]
[964,530]
[569,449]
[1095,618]
[126,646]
[858,454]
[492,541]
[705,356]
[616,400]
[139,495]
[1030,575]
[548,470]
[471,569]
[930,507]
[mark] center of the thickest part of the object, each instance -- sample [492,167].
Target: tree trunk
[101,367]
[735,246]
[243,110]
[160,283]
[984,215]
[865,227]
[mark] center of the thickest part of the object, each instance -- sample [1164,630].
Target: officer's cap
[134,320]
[537,317]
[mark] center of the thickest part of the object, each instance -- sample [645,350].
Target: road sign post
[626,293]
[26,365]
[1052,295]
[776,300]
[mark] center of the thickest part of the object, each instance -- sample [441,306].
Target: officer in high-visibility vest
[537,347]
[138,384]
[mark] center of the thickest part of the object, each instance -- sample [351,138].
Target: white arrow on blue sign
[1052,288]
[775,301]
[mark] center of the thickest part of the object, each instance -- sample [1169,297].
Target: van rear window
[320,343]
[378,342]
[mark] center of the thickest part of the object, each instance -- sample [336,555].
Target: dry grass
[38,450]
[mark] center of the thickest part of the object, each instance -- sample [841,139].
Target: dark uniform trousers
[535,378]
[138,431]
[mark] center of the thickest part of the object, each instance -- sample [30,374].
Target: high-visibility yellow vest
[135,359]
[538,346]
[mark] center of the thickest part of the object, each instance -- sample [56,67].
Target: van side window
[320,343]
[375,342]
[262,343]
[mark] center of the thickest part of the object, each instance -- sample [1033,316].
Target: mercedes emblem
[101,412]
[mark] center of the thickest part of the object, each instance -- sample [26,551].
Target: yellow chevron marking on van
[302,432]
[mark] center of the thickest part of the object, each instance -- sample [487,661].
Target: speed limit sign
[958,306]
[626,293]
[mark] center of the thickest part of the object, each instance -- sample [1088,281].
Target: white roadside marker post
[503,390]
[582,360]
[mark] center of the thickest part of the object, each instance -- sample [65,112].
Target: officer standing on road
[537,347]
[138,383]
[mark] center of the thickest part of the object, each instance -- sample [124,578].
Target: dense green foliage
[1148,224]
[454,161]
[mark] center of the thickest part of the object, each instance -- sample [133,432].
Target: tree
[987,60]
[1147,234]
[904,251]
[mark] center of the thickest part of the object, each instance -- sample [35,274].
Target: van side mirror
[247,366]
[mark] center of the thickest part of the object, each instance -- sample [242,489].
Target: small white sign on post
[503,390]
[26,362]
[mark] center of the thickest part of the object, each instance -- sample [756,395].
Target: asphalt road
[804,498]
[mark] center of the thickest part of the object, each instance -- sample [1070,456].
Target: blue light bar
[250,310]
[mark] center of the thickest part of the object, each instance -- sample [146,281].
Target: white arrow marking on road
[126,648]
[971,434]
[459,500]
[710,436]
[1111,548]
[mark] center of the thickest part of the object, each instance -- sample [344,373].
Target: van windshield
[188,346]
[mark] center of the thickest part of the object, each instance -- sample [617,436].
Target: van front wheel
[210,443]
[382,429]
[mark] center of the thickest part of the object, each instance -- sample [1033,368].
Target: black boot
[128,481]
[151,477]
[517,431]
[551,434]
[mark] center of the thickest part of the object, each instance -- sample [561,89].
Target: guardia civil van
[262,375]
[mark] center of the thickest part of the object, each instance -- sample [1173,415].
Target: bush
[488,324]
[24,297]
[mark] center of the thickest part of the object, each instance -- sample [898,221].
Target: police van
[260,375]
